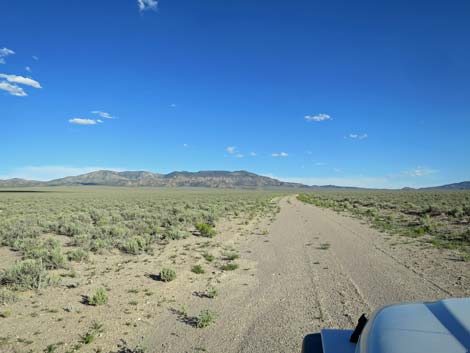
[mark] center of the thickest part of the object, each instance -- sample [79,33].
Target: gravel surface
[315,269]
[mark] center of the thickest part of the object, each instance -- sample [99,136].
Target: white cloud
[145,5]
[14,90]
[27,68]
[185,145]
[21,80]
[82,121]
[10,84]
[104,115]
[35,57]
[172,105]
[416,178]
[44,173]
[318,117]
[419,172]
[281,154]
[4,52]
[320,164]
[358,136]
[253,154]
[239,155]
[231,149]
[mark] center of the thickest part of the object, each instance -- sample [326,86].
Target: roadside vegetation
[59,240]
[99,221]
[439,217]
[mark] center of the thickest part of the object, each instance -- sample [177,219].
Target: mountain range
[209,179]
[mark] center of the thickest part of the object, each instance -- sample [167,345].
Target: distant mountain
[209,179]
[17,182]
[464,185]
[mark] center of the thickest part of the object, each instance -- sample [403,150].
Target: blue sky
[367,93]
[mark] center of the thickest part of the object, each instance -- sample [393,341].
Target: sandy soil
[310,268]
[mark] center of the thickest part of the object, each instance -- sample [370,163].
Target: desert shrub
[70,229]
[230,256]
[99,297]
[231,266]
[26,274]
[205,230]
[175,234]
[5,313]
[205,318]
[212,292]
[167,274]
[198,269]
[77,255]
[208,257]
[95,329]
[7,296]
[48,251]
[136,245]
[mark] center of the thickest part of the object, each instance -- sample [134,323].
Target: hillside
[464,185]
[209,179]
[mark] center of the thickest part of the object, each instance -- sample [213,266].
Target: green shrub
[26,274]
[212,292]
[100,297]
[95,329]
[7,296]
[197,269]
[167,275]
[208,257]
[136,245]
[205,318]
[231,266]
[77,255]
[48,251]
[205,230]
[230,256]
[176,234]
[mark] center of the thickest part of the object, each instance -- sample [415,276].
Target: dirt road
[315,269]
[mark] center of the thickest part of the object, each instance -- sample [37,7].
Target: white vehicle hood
[437,327]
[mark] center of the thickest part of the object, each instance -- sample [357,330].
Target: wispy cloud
[102,114]
[358,136]
[145,5]
[44,173]
[239,155]
[419,172]
[280,154]
[83,121]
[320,164]
[14,90]
[253,154]
[416,177]
[172,105]
[21,80]
[4,52]
[185,145]
[318,117]
[231,149]
[28,68]
[9,83]
[35,57]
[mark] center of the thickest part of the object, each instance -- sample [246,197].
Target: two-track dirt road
[315,269]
